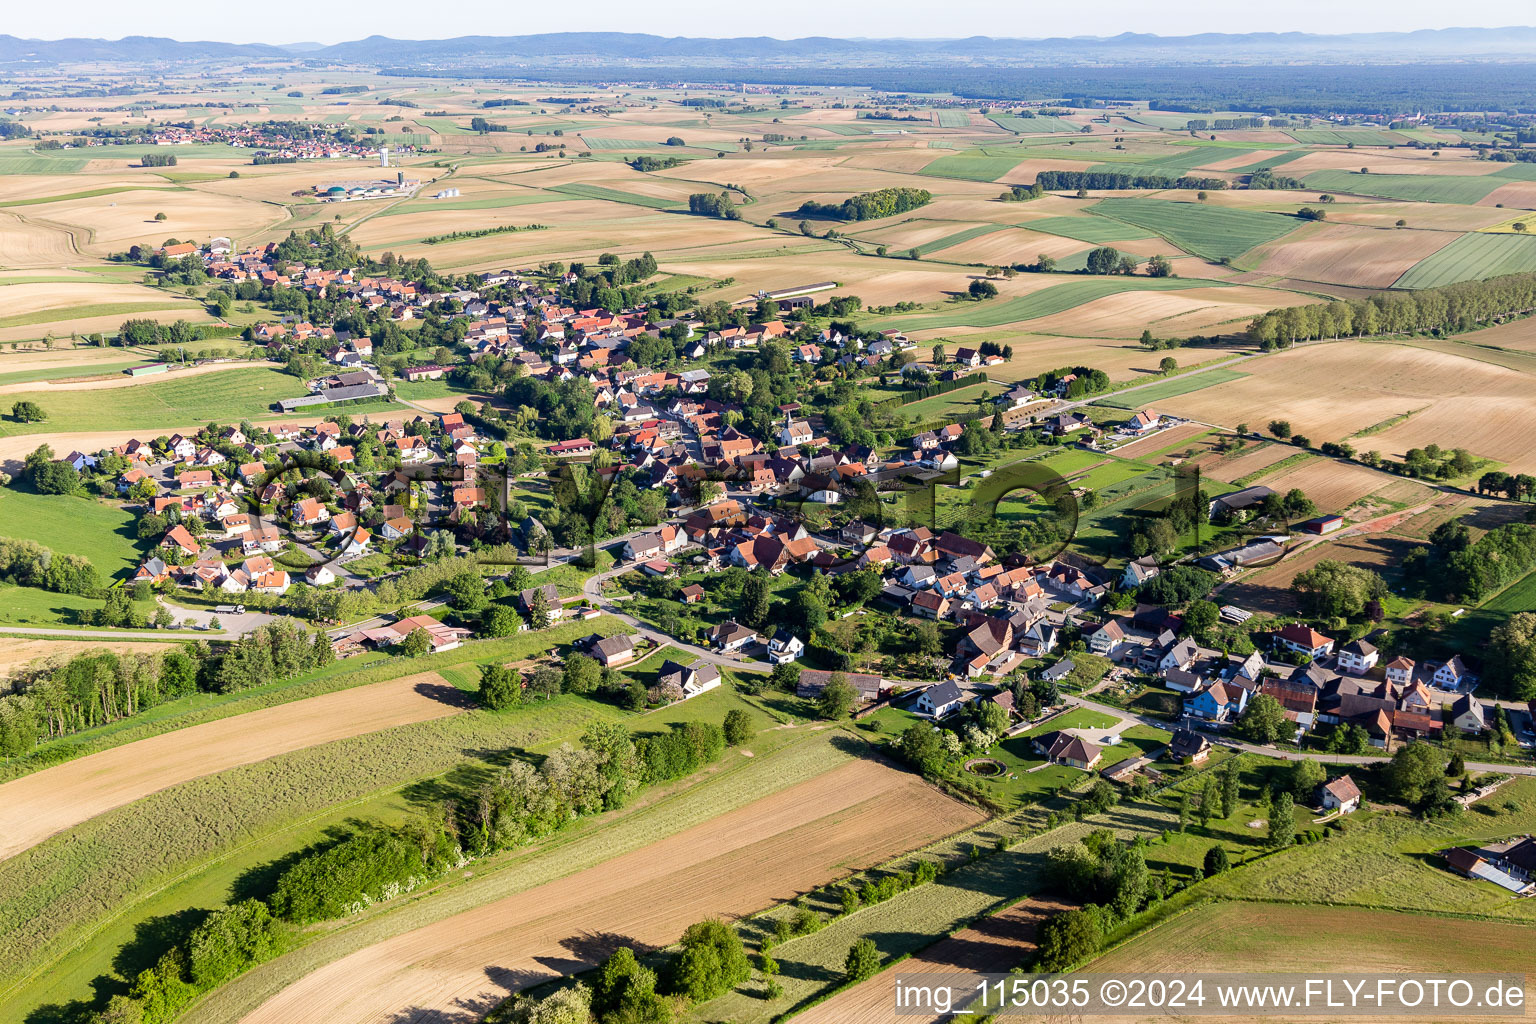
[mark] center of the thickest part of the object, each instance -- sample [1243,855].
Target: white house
[320,575]
[1341,794]
[1452,675]
[784,647]
[1358,657]
[939,699]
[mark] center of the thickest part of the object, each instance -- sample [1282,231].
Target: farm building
[1323,524]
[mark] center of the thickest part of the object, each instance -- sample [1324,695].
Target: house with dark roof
[812,682]
[614,650]
[1186,744]
[940,699]
[1069,749]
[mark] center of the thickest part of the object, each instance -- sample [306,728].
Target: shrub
[863,961]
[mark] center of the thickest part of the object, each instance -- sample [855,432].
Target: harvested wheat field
[47,802]
[18,651]
[1519,335]
[1348,254]
[854,816]
[1330,391]
[1226,937]
[993,944]
[1127,314]
[1332,485]
[29,242]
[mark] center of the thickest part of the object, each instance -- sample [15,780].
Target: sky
[242,23]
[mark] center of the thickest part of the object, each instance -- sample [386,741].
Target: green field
[1418,188]
[959,236]
[1343,137]
[972,165]
[1213,232]
[63,372]
[24,164]
[1169,389]
[228,396]
[953,118]
[997,312]
[844,129]
[613,195]
[1472,257]
[597,144]
[106,534]
[28,606]
[48,316]
[1088,229]
[1272,161]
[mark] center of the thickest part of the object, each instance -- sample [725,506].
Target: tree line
[1449,309]
[373,862]
[56,697]
[1055,181]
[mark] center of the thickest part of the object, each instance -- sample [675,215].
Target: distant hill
[621,47]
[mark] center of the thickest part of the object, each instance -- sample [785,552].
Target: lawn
[1419,188]
[1055,299]
[32,607]
[1170,389]
[613,195]
[1214,232]
[104,533]
[229,395]
[1471,257]
[1388,862]
[1077,718]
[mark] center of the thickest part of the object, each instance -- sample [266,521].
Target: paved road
[1128,717]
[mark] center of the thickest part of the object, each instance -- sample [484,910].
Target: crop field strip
[972,165]
[953,118]
[1344,137]
[1054,299]
[1473,256]
[1214,232]
[39,805]
[1418,188]
[860,813]
[1100,231]
[613,195]
[1144,396]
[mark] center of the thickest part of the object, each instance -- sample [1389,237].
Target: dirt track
[770,850]
[39,805]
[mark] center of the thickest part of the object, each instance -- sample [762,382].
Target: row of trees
[1056,181]
[55,697]
[1451,309]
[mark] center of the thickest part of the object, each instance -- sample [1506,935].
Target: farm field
[1268,589]
[1471,258]
[234,395]
[1419,188]
[858,814]
[1147,395]
[1334,390]
[1349,254]
[1048,300]
[1210,231]
[44,803]
[1280,938]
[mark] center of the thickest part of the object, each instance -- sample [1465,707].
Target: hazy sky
[245,23]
